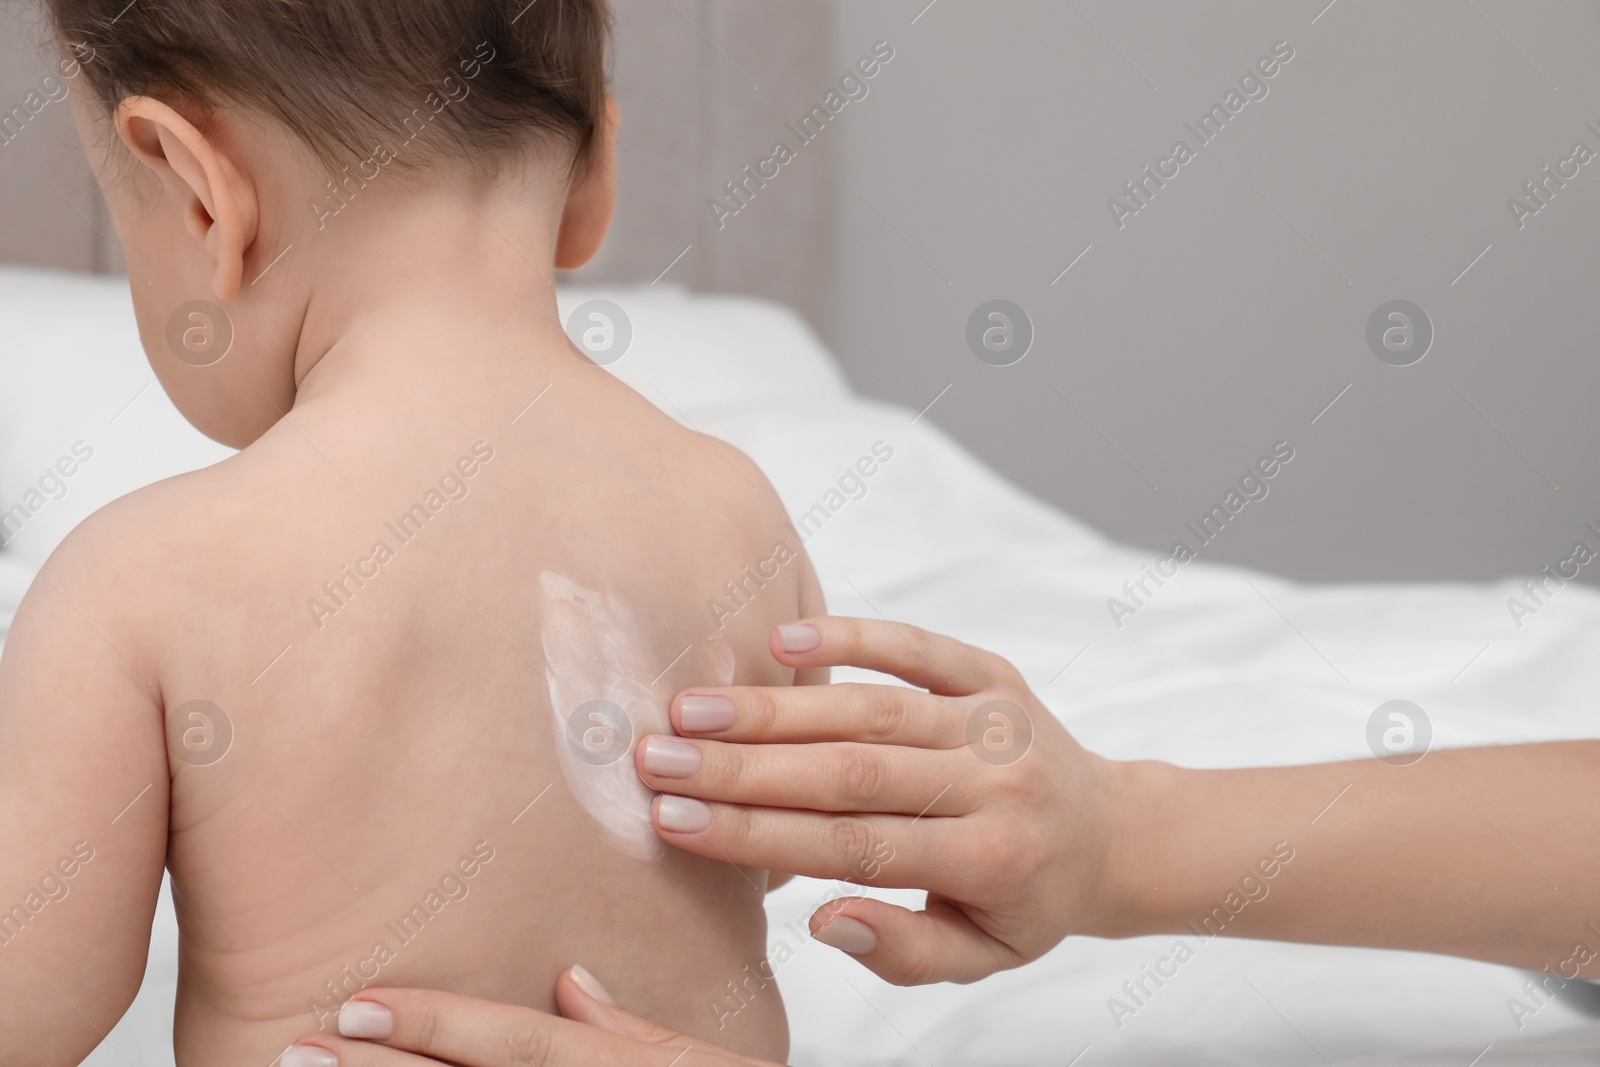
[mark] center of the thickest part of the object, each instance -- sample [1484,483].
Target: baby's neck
[421,283]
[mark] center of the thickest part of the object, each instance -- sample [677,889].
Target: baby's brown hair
[484,79]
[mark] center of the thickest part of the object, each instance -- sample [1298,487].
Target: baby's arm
[83,806]
[1489,853]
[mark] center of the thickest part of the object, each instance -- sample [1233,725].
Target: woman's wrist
[1202,850]
[1143,887]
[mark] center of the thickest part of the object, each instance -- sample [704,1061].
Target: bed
[1223,667]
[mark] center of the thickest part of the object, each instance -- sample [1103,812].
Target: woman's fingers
[440,1025]
[890,851]
[937,663]
[343,1052]
[844,711]
[416,1027]
[905,947]
[592,1047]
[845,776]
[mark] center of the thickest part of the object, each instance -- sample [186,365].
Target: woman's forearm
[1492,853]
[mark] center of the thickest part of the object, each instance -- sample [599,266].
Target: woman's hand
[974,792]
[416,1027]
[971,790]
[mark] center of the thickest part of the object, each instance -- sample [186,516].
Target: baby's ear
[219,206]
[592,200]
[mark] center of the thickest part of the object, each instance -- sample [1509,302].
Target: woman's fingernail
[307,1056]
[799,637]
[668,757]
[591,985]
[684,815]
[365,1018]
[705,714]
[848,935]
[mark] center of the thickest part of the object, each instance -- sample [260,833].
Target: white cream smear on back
[602,664]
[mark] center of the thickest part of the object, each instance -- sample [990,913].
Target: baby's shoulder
[128,570]
[733,483]
[146,548]
[757,533]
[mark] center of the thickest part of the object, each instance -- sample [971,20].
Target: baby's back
[409,655]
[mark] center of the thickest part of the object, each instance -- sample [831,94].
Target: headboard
[706,87]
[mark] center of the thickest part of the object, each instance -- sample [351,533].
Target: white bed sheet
[1225,667]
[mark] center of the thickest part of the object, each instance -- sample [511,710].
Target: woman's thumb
[582,998]
[904,947]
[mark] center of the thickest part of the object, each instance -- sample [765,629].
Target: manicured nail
[848,935]
[705,714]
[799,637]
[684,815]
[668,757]
[365,1018]
[591,985]
[307,1056]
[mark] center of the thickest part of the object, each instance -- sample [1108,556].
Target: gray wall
[706,87]
[48,201]
[1231,310]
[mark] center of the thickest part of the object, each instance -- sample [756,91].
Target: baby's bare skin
[391,808]
[399,742]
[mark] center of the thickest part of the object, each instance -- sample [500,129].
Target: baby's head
[223,132]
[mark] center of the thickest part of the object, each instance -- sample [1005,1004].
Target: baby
[370,688]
